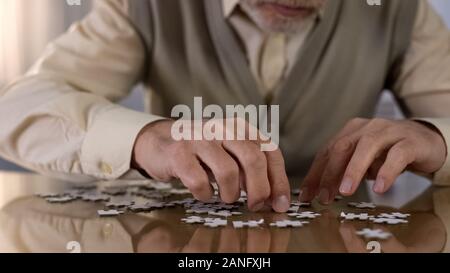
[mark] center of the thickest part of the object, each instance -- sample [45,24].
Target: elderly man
[324,62]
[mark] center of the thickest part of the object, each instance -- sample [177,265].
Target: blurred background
[27,26]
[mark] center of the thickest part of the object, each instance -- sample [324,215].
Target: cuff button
[106,168]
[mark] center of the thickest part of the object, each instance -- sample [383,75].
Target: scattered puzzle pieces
[249,224]
[179,191]
[353,216]
[224,213]
[293,209]
[304,215]
[193,220]
[119,205]
[288,223]
[95,198]
[109,213]
[216,222]
[60,200]
[301,204]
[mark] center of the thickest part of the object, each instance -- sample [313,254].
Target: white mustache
[313,4]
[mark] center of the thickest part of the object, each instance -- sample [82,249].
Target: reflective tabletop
[29,223]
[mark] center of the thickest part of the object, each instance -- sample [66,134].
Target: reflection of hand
[221,240]
[425,234]
[380,148]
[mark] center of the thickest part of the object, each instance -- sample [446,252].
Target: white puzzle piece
[249,224]
[304,215]
[354,216]
[109,213]
[288,223]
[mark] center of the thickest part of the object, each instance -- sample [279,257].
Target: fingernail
[324,196]
[258,206]
[379,185]
[281,204]
[303,195]
[346,186]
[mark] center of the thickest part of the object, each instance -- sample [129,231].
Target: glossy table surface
[30,224]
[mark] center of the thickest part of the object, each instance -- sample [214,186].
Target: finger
[369,147]
[254,164]
[375,167]
[280,189]
[311,183]
[334,170]
[187,168]
[224,169]
[397,160]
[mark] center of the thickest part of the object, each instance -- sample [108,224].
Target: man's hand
[381,149]
[235,165]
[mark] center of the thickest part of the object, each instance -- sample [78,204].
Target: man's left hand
[379,149]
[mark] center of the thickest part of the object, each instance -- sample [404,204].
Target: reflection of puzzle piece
[224,213]
[388,221]
[288,223]
[60,200]
[108,213]
[216,222]
[374,234]
[353,216]
[338,197]
[394,215]
[362,205]
[304,215]
[249,224]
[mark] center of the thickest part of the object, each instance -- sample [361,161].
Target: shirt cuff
[108,146]
[442,176]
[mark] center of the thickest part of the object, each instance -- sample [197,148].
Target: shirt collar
[228,7]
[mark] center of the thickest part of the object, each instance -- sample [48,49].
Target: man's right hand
[235,165]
